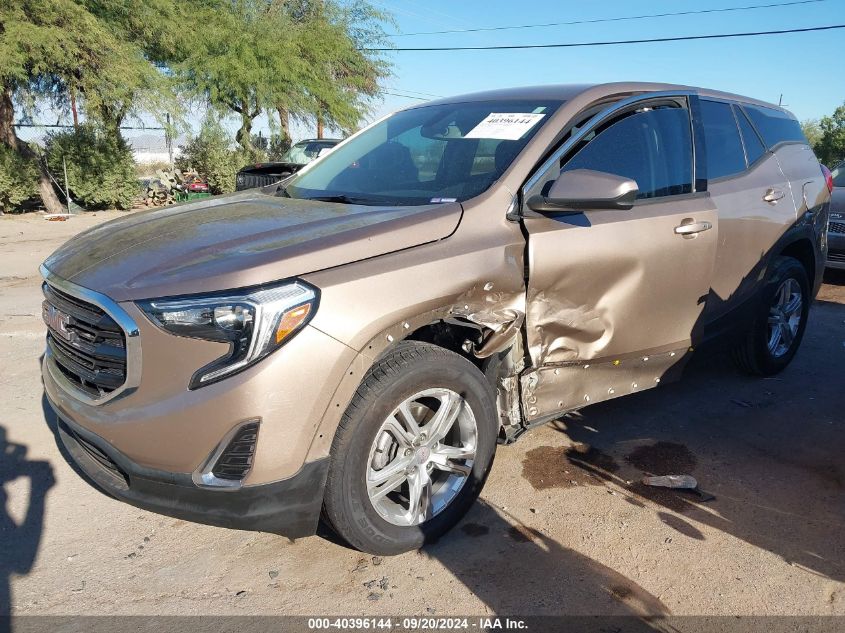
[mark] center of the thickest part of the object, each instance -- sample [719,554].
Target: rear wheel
[412,451]
[780,320]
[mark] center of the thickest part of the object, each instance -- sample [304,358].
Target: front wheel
[412,451]
[780,320]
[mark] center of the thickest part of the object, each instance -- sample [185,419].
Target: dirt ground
[563,527]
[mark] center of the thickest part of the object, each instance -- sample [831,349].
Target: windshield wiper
[343,199]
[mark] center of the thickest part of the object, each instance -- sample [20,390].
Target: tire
[369,444]
[754,355]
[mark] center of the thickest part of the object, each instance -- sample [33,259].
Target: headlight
[254,323]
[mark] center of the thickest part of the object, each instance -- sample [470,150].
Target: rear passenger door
[753,199]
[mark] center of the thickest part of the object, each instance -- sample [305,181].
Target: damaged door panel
[614,296]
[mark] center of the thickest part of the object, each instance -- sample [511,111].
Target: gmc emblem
[56,320]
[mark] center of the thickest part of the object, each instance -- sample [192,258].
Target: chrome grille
[85,343]
[836,227]
[252,181]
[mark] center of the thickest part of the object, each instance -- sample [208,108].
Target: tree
[343,76]
[297,58]
[153,35]
[51,47]
[830,146]
[812,131]
[242,59]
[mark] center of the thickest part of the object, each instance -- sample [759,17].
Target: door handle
[692,228]
[773,195]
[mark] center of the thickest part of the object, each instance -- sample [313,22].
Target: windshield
[305,151]
[431,154]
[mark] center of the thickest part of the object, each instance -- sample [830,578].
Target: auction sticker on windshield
[508,126]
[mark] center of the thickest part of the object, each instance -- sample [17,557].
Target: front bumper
[290,507]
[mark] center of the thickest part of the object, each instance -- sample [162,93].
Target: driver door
[614,297]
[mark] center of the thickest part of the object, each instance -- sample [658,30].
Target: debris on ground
[679,482]
[672,481]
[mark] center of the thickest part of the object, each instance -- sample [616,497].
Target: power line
[606,43]
[617,19]
[417,92]
[396,94]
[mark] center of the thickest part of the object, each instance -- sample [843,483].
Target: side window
[651,145]
[725,156]
[754,148]
[775,126]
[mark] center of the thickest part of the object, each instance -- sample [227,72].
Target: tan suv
[354,341]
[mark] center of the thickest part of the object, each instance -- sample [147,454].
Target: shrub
[210,153]
[100,167]
[18,180]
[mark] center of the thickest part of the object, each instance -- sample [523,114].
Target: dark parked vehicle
[836,226]
[299,155]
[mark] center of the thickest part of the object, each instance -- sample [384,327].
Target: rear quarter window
[754,148]
[775,126]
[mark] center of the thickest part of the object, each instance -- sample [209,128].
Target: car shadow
[769,450]
[834,277]
[516,569]
[19,537]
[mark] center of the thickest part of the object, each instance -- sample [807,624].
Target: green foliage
[343,75]
[303,56]
[100,167]
[210,153]
[18,180]
[812,131]
[279,144]
[51,48]
[830,146]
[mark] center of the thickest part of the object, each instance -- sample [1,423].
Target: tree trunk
[244,135]
[319,125]
[7,119]
[284,123]
[10,140]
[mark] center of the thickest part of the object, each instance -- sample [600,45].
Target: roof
[566,92]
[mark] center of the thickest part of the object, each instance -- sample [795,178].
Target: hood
[239,240]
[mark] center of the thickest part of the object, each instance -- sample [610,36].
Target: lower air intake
[236,459]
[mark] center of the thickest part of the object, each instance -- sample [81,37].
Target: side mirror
[582,189]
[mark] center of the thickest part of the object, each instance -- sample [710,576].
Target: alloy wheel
[785,317]
[421,456]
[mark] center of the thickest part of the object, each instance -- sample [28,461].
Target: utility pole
[168,139]
[67,186]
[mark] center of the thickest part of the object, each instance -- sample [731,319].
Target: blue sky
[761,67]
[805,67]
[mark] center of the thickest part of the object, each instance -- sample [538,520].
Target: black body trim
[290,507]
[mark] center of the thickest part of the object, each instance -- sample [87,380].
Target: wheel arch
[437,327]
[801,248]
